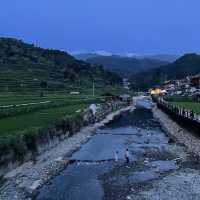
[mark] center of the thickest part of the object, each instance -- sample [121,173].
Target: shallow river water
[94,175]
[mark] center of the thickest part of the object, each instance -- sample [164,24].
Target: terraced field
[19,113]
[24,113]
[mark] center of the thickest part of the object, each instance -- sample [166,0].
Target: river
[94,175]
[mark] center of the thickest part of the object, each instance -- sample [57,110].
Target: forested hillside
[24,65]
[125,66]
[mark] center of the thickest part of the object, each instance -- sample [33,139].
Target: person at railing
[196,117]
[192,115]
[184,112]
[188,113]
[180,111]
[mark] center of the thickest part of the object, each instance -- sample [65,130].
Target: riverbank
[23,182]
[182,183]
[159,168]
[175,131]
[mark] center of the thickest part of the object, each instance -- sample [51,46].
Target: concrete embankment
[22,182]
[175,131]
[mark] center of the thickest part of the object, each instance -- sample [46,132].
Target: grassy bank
[189,105]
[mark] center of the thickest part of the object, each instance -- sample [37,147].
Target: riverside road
[157,169]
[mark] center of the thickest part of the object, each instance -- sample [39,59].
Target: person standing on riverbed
[127,156]
[116,156]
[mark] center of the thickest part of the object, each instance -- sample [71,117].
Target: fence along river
[186,116]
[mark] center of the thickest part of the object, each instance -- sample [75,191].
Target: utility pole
[93,89]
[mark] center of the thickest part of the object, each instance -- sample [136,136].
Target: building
[195,81]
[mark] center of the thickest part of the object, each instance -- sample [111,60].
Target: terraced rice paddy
[20,112]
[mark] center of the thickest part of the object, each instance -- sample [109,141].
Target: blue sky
[139,26]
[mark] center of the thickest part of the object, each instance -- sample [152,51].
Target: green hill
[25,66]
[187,65]
[125,66]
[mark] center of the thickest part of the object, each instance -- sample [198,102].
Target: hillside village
[187,87]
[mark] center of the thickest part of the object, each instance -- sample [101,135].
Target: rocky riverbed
[23,182]
[160,168]
[164,163]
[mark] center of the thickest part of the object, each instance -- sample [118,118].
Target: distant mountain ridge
[85,56]
[25,65]
[161,57]
[125,66]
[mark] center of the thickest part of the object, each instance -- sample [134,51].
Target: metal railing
[178,111]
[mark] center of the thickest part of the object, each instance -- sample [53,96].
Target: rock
[128,198]
[132,189]
[34,186]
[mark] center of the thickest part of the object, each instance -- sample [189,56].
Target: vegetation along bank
[24,181]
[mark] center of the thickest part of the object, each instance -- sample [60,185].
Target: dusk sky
[138,26]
